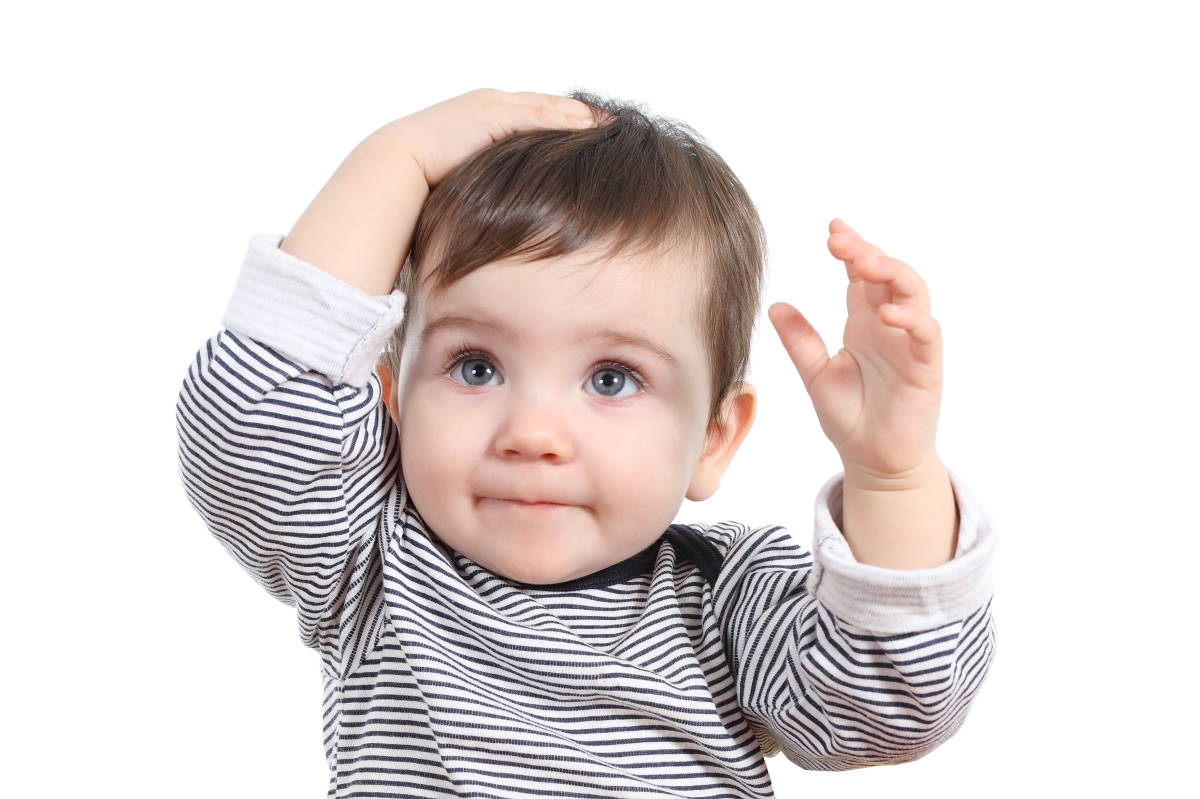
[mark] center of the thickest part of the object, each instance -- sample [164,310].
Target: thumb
[803,344]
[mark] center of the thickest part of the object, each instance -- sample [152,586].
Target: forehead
[658,290]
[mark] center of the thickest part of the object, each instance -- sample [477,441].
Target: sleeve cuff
[890,601]
[308,315]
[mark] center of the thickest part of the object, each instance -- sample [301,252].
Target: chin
[543,568]
[538,551]
[539,573]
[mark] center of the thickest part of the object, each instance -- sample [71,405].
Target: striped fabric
[442,679]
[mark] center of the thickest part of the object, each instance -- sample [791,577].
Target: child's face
[554,414]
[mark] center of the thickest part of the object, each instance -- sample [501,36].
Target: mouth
[536,503]
[528,504]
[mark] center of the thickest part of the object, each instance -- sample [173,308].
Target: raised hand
[360,225]
[445,135]
[877,400]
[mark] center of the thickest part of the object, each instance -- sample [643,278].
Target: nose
[535,432]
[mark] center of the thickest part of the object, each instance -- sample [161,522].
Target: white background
[1036,162]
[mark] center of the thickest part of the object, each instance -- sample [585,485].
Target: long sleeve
[846,665]
[287,461]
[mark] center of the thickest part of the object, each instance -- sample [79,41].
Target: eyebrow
[459,323]
[614,337]
[633,340]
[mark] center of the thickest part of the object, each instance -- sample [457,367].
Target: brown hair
[633,182]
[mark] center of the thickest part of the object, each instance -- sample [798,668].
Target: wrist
[398,149]
[927,472]
[359,227]
[900,521]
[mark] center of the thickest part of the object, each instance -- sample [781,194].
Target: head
[573,359]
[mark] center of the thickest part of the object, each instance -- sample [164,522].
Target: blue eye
[611,383]
[477,372]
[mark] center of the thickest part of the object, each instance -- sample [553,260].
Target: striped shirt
[670,674]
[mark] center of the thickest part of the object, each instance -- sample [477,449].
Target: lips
[530,503]
[529,497]
[527,493]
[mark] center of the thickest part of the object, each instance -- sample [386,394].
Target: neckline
[634,566]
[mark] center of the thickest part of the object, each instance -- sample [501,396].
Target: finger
[550,111]
[803,343]
[571,106]
[921,327]
[856,297]
[540,117]
[567,105]
[847,247]
[890,280]
[838,226]
[504,114]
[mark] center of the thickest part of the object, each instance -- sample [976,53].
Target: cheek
[437,452]
[643,468]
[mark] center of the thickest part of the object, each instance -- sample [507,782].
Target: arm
[360,225]
[872,653]
[284,447]
[878,401]
[289,468]
[846,665]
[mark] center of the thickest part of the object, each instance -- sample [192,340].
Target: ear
[723,440]
[389,392]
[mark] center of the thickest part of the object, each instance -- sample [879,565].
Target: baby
[476,529]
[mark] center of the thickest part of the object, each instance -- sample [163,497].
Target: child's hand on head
[877,400]
[447,134]
[360,225]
